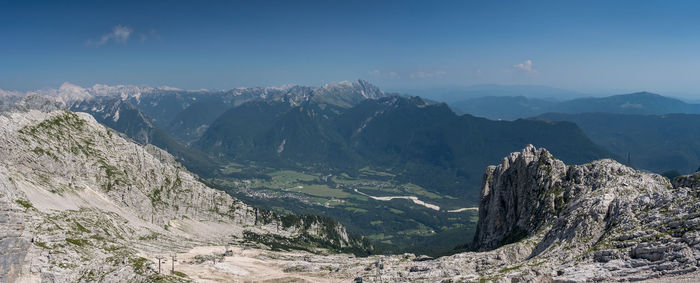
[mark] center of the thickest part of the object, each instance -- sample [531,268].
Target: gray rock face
[13,246]
[597,221]
[518,196]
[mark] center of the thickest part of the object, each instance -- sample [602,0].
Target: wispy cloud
[427,75]
[386,75]
[526,67]
[119,34]
[151,34]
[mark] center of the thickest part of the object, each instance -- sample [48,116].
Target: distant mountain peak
[338,84]
[358,84]
[346,93]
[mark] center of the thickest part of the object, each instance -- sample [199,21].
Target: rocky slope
[81,203]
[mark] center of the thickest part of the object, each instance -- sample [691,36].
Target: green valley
[397,225]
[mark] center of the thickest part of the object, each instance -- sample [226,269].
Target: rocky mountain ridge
[79,202]
[659,143]
[518,105]
[346,93]
[186,114]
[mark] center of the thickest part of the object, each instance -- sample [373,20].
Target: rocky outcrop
[76,195]
[518,196]
[597,221]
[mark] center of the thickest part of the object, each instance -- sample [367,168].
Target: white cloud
[119,34]
[526,67]
[427,75]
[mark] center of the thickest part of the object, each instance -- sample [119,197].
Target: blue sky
[589,46]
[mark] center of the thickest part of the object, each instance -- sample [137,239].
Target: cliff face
[596,221]
[518,196]
[75,194]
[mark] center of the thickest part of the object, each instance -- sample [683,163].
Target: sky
[588,46]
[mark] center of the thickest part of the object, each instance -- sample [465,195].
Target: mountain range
[460,93]
[339,125]
[515,107]
[426,144]
[659,143]
[324,150]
